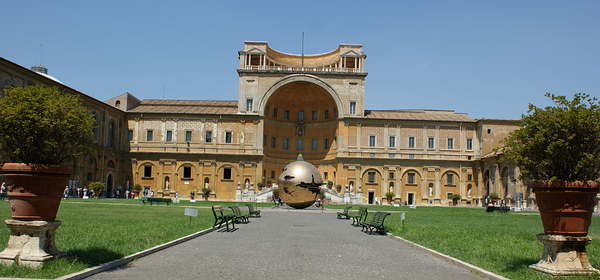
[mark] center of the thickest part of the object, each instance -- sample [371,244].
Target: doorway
[109,186]
[371,197]
[411,199]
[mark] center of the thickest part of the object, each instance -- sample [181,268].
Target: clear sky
[486,58]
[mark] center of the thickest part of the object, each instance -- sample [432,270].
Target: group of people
[84,193]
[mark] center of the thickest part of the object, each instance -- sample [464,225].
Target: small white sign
[402,216]
[191,212]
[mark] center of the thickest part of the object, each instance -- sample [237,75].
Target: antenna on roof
[302,50]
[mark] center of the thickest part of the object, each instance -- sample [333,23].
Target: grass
[94,233]
[502,243]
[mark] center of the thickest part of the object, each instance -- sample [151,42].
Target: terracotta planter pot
[34,191]
[566,207]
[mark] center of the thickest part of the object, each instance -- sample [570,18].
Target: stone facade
[313,105]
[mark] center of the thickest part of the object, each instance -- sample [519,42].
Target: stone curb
[124,260]
[478,270]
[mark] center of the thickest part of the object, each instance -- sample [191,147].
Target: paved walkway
[291,245]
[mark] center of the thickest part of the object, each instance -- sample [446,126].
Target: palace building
[288,105]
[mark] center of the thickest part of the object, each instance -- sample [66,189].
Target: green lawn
[93,233]
[502,243]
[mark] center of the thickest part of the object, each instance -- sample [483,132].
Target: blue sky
[486,58]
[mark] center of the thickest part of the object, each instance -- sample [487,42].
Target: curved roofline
[305,56]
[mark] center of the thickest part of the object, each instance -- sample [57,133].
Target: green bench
[360,216]
[344,213]
[156,200]
[222,218]
[251,211]
[238,217]
[375,223]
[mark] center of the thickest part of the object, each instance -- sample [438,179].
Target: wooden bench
[376,223]
[501,209]
[222,218]
[238,217]
[156,200]
[344,213]
[251,211]
[360,216]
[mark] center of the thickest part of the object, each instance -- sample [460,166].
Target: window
[392,141]
[118,104]
[450,179]
[469,144]
[286,143]
[299,144]
[314,144]
[273,142]
[450,143]
[286,115]
[130,135]
[391,175]
[188,136]
[325,175]
[371,177]
[111,134]
[249,107]
[431,143]
[489,131]
[208,136]
[449,195]
[371,140]
[169,136]
[272,174]
[147,171]
[352,108]
[227,173]
[326,115]
[314,115]
[149,135]
[228,137]
[469,177]
[300,115]
[411,178]
[274,113]
[326,143]
[411,142]
[187,172]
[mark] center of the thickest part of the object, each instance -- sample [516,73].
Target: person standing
[2,190]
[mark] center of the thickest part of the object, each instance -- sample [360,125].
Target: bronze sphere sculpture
[299,184]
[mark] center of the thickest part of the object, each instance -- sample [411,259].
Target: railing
[301,69]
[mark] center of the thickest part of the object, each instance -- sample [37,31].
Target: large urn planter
[566,207]
[34,190]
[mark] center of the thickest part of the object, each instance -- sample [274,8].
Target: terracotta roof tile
[419,115]
[210,107]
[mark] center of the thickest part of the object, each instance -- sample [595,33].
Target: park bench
[360,216]
[156,200]
[376,223]
[238,217]
[222,218]
[251,211]
[344,213]
[501,209]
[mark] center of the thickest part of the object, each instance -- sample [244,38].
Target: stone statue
[167,185]
[469,191]
[430,190]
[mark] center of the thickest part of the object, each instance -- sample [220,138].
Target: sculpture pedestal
[31,243]
[564,255]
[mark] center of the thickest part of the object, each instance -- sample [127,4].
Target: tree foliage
[97,187]
[559,142]
[43,125]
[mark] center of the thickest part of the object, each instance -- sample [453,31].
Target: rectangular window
[469,177]
[226,173]
[391,176]
[411,178]
[450,179]
[326,115]
[300,115]
[130,135]
[272,174]
[431,143]
[147,171]
[286,115]
[169,136]
[249,105]
[228,137]
[286,143]
[371,140]
[187,172]
[352,108]
[450,143]
[325,175]
[314,144]
[188,136]
[149,135]
[314,115]
[208,136]
[449,195]
[273,142]
[392,143]
[274,113]
[371,177]
[469,144]
[299,144]
[411,142]
[326,143]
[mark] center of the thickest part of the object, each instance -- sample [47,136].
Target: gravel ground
[291,245]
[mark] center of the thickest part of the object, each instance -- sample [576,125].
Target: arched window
[118,104]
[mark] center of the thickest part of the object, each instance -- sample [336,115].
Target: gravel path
[291,245]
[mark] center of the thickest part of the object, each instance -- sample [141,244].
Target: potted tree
[389,196]
[41,129]
[137,189]
[206,192]
[455,198]
[97,187]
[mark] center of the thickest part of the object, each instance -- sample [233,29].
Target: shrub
[493,196]
[137,188]
[389,196]
[97,187]
[560,142]
[43,125]
[206,192]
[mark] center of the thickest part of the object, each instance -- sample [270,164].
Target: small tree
[97,187]
[43,125]
[455,198]
[389,196]
[137,188]
[493,196]
[206,192]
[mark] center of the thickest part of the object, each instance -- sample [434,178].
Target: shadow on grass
[92,256]
[518,264]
